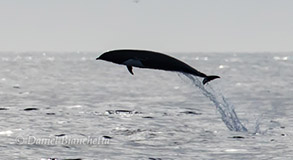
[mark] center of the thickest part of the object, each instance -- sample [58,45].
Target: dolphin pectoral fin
[130,69]
[209,78]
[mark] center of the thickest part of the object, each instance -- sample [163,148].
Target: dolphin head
[113,56]
[107,56]
[104,56]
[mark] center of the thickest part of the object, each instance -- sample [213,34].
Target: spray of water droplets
[226,109]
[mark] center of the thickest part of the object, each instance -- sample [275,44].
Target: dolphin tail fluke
[209,78]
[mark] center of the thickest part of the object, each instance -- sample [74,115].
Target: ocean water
[70,106]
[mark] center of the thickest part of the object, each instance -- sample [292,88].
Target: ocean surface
[70,106]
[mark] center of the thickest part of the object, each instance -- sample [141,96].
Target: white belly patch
[133,62]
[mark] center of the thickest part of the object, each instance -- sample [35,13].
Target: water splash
[228,114]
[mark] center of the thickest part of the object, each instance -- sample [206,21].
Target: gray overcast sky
[161,25]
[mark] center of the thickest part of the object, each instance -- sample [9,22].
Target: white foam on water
[74,106]
[6,133]
[235,150]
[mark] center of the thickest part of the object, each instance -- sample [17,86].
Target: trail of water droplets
[226,109]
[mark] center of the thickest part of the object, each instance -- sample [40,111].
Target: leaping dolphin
[153,60]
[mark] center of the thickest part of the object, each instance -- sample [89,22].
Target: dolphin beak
[98,58]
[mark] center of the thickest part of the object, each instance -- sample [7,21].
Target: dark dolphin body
[153,60]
